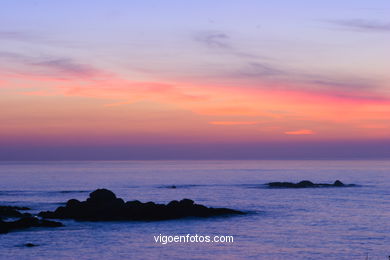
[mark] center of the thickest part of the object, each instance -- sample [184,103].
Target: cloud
[217,40]
[68,67]
[263,72]
[373,126]
[313,81]
[257,69]
[221,41]
[233,123]
[274,77]
[56,67]
[363,25]
[118,104]
[41,93]
[341,83]
[300,132]
[18,36]
[38,38]
[12,56]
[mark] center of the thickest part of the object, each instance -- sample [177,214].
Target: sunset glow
[127,78]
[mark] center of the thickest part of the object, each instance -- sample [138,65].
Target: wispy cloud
[300,132]
[19,36]
[116,104]
[67,67]
[41,93]
[217,40]
[374,126]
[276,77]
[38,38]
[363,25]
[262,72]
[56,67]
[340,82]
[233,123]
[12,56]
[222,42]
[258,69]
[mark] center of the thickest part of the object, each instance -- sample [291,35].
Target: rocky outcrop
[12,212]
[307,184]
[26,222]
[103,205]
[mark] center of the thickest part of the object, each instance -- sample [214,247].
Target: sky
[197,79]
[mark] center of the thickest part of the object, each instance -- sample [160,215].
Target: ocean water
[318,223]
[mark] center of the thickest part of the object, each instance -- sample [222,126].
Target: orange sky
[44,107]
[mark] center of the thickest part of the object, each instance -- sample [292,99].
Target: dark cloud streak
[217,40]
[51,66]
[221,42]
[68,67]
[363,25]
[257,69]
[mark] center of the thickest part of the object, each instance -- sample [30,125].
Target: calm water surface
[322,223]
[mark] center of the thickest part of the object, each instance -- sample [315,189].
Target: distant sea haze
[336,150]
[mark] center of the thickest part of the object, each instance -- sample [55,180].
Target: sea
[309,223]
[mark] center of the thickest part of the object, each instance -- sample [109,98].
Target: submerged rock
[26,222]
[103,205]
[307,184]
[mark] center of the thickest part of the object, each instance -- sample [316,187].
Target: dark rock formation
[103,205]
[338,184]
[30,245]
[12,212]
[306,184]
[26,222]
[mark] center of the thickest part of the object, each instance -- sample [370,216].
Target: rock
[20,208]
[338,184]
[302,184]
[12,212]
[186,203]
[26,222]
[17,207]
[306,184]
[73,203]
[103,205]
[30,245]
[102,195]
